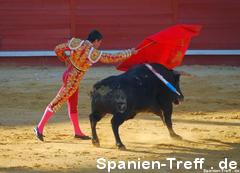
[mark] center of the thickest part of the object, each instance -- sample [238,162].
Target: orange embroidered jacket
[83,54]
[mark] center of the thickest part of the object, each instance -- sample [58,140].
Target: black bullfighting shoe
[38,134]
[84,137]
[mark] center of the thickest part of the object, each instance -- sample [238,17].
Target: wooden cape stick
[141,48]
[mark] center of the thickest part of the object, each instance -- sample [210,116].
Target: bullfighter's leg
[94,118]
[73,115]
[167,113]
[116,121]
[70,85]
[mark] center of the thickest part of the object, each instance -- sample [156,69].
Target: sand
[208,121]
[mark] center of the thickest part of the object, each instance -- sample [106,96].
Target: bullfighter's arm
[120,56]
[109,58]
[60,51]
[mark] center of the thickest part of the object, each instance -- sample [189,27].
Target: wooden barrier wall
[41,24]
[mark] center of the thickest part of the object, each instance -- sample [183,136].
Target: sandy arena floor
[208,120]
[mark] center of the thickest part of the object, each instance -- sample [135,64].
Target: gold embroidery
[74,42]
[177,52]
[72,84]
[177,57]
[95,55]
[79,58]
[60,51]
[114,58]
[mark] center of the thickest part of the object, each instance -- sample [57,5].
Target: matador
[82,55]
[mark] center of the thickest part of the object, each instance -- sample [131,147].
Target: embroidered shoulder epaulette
[75,43]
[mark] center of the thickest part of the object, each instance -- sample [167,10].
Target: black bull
[137,90]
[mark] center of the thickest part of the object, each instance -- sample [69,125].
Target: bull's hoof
[176,137]
[121,147]
[96,143]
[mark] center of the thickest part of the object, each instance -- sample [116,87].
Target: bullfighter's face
[97,44]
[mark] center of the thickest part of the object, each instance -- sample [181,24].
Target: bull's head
[177,99]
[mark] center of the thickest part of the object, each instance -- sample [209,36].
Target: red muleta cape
[166,47]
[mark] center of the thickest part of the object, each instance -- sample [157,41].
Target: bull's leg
[167,113]
[94,118]
[160,114]
[116,121]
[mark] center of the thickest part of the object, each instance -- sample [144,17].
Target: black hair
[94,35]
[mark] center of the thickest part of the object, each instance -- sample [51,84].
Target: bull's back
[130,90]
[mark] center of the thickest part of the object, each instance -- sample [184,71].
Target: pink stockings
[46,116]
[73,113]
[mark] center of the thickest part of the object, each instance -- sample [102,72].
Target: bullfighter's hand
[134,51]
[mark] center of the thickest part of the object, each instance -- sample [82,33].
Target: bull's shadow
[191,121]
